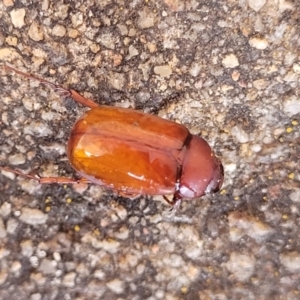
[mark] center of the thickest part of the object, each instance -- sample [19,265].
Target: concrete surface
[228,70]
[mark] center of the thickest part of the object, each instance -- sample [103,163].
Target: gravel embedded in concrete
[229,72]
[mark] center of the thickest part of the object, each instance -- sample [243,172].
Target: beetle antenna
[56,87]
[176,205]
[19,173]
[60,90]
[46,180]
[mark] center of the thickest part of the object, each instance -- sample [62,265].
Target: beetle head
[202,171]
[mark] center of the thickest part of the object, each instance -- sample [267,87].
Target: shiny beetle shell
[137,153]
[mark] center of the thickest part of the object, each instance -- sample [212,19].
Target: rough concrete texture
[229,71]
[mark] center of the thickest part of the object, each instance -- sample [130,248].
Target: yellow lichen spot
[184,290]
[236,198]
[285,217]
[48,208]
[289,129]
[223,192]
[294,122]
[68,200]
[65,186]
[291,175]
[76,228]
[97,231]
[121,8]
[265,198]
[48,199]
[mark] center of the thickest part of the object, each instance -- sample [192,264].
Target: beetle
[135,153]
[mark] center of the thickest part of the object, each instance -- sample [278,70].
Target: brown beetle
[136,153]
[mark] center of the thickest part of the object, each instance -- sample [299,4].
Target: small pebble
[163,71]
[243,224]
[69,279]
[8,54]
[17,159]
[295,195]
[291,106]
[59,30]
[291,261]
[17,17]
[146,20]
[260,84]
[8,3]
[26,248]
[47,266]
[12,225]
[36,296]
[256,4]
[258,43]
[132,52]
[5,209]
[35,32]
[116,286]
[57,256]
[230,61]
[240,135]
[15,267]
[109,245]
[241,266]
[33,216]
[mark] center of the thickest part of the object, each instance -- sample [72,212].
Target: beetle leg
[168,201]
[85,101]
[46,179]
[176,204]
[63,92]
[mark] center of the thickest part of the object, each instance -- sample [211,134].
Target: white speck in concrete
[116,286]
[35,32]
[163,71]
[33,216]
[5,209]
[291,261]
[59,30]
[244,224]
[11,225]
[240,135]
[230,61]
[17,17]
[259,43]
[295,195]
[69,279]
[17,159]
[26,248]
[241,266]
[256,4]
[291,106]
[47,266]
